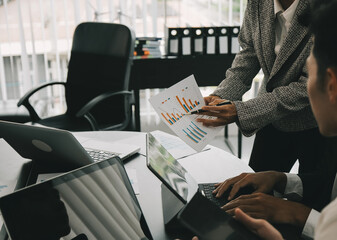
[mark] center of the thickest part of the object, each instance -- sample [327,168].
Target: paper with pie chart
[172,105]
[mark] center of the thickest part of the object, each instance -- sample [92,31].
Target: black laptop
[176,178]
[93,202]
[201,213]
[173,175]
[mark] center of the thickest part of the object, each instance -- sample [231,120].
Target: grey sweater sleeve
[269,107]
[286,100]
[244,67]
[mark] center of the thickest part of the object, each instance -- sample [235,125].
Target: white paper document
[174,145]
[172,105]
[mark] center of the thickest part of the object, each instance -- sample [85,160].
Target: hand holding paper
[202,111]
[223,111]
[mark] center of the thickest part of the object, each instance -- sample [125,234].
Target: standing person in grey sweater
[275,38]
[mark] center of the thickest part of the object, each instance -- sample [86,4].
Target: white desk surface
[212,165]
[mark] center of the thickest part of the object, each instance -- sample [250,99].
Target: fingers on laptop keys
[234,187]
[231,186]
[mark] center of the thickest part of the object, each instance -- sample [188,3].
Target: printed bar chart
[174,103]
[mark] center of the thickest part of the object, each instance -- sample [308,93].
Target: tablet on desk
[209,222]
[96,200]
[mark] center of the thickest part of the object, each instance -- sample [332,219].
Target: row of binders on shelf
[147,47]
[202,41]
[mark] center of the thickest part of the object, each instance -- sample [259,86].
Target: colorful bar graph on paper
[193,134]
[173,106]
[186,104]
[166,119]
[196,131]
[173,120]
[184,107]
[188,135]
[199,128]
[174,117]
[191,103]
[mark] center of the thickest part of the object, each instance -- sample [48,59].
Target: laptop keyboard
[99,155]
[207,189]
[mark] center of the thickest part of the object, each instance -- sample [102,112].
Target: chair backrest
[101,59]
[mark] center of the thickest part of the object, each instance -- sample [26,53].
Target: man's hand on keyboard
[264,182]
[273,209]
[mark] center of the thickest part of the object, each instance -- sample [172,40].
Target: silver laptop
[55,148]
[93,202]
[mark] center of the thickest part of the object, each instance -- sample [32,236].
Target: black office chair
[97,87]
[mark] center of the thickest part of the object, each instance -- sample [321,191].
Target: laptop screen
[99,203]
[169,170]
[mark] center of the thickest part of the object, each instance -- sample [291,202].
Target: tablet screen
[97,200]
[169,170]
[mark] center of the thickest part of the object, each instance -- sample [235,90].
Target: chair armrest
[24,100]
[92,103]
[34,90]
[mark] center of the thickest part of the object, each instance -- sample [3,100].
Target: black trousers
[277,150]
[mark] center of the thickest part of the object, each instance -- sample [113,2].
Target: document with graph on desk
[174,103]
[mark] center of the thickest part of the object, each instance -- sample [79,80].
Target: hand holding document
[225,102]
[175,107]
